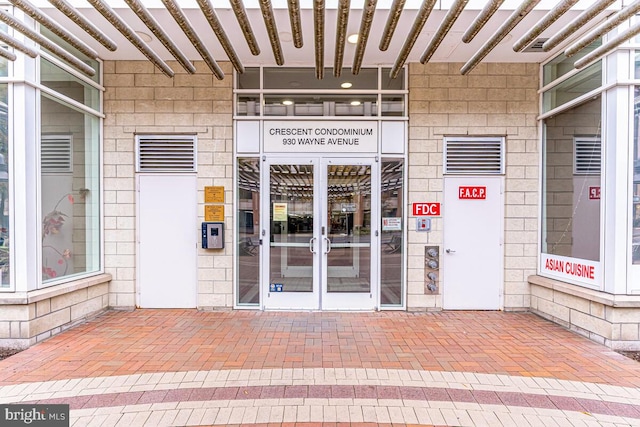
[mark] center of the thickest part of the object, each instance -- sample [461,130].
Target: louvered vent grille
[536,46]
[168,153]
[474,156]
[56,154]
[588,156]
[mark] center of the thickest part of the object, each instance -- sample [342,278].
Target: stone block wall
[139,98]
[28,319]
[612,320]
[495,99]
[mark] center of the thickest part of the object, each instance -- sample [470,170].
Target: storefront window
[574,87]
[391,254]
[248,105]
[92,62]
[4,63]
[248,234]
[57,79]
[561,64]
[297,92]
[326,105]
[70,166]
[5,261]
[635,205]
[305,78]
[250,79]
[571,182]
[393,106]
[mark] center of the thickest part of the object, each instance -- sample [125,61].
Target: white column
[24,161]
[618,119]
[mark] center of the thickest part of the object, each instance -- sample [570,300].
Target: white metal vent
[535,46]
[56,153]
[166,153]
[477,156]
[587,158]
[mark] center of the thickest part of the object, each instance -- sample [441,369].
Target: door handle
[450,251]
[328,245]
[311,245]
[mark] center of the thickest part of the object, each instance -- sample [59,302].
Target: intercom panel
[212,235]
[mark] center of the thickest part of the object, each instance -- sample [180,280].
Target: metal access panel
[212,235]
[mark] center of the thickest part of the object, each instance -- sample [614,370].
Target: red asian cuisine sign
[474,193]
[571,269]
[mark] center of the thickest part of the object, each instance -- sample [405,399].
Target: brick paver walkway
[184,367]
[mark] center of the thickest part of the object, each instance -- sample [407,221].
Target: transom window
[297,92]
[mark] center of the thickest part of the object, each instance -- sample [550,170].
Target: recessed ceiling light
[346,85]
[356,102]
[144,36]
[287,102]
[286,36]
[353,38]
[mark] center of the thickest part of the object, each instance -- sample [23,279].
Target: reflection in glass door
[292,278]
[321,250]
[347,245]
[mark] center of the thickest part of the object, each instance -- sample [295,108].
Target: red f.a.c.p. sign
[473,193]
[426,209]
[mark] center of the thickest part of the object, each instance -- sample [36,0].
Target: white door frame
[351,300]
[167,251]
[284,300]
[319,298]
[473,270]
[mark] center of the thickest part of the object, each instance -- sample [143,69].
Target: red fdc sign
[426,209]
[478,193]
[594,193]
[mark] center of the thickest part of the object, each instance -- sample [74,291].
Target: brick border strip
[517,399]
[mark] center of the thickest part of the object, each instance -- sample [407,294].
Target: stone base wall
[612,320]
[29,317]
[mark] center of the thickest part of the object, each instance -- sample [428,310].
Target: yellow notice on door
[214,194]
[279,211]
[214,213]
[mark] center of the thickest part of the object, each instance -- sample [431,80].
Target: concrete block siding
[494,100]
[140,99]
[28,319]
[612,320]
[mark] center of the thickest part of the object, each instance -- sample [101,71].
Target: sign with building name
[571,269]
[321,136]
[280,212]
[426,209]
[214,213]
[594,193]
[472,193]
[214,194]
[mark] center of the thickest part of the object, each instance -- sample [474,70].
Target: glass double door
[322,219]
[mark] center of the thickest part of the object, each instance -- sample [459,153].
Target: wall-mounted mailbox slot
[212,235]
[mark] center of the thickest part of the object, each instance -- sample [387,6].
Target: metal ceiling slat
[319,11]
